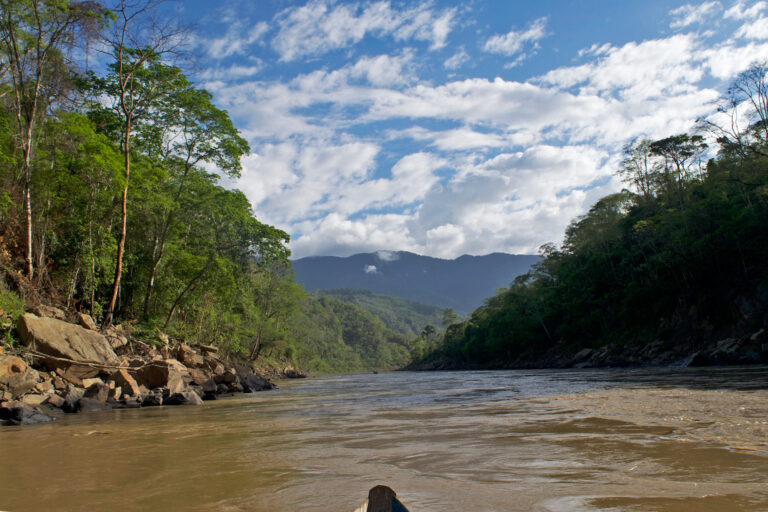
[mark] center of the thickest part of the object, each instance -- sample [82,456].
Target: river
[581,440]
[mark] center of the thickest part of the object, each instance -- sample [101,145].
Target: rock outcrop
[66,344]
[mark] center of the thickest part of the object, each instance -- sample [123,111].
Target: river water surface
[587,440]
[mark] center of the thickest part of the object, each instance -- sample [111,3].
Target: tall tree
[138,82]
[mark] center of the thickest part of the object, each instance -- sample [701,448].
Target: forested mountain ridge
[461,283]
[401,315]
[669,271]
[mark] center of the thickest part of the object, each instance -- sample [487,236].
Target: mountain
[461,284]
[401,315]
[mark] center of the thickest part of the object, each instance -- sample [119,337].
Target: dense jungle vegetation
[680,255]
[112,203]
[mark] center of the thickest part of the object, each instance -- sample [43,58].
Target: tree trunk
[108,316]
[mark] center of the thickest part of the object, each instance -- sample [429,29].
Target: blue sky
[455,127]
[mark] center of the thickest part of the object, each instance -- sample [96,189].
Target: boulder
[55,401]
[293,373]
[229,376]
[49,312]
[168,373]
[199,376]
[581,356]
[87,321]
[35,399]
[209,387]
[64,340]
[19,413]
[207,349]
[97,391]
[16,376]
[253,382]
[153,398]
[123,379]
[184,398]
[189,357]
[90,382]
[45,386]
[72,398]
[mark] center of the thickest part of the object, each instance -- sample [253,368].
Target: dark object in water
[382,499]
[375,372]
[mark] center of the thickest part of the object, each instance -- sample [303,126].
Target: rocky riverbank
[750,349]
[67,368]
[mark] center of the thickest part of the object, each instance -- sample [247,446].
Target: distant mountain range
[461,284]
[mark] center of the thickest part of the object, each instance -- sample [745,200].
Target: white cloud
[757,29]
[236,41]
[449,175]
[388,256]
[740,11]
[370,269]
[456,60]
[512,43]
[690,14]
[321,26]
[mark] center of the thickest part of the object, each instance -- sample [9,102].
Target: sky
[455,127]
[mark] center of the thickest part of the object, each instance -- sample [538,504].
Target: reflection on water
[637,440]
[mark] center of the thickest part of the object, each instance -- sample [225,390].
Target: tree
[34,35]
[190,130]
[679,153]
[639,168]
[138,82]
[449,317]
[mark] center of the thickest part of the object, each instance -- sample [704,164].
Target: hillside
[336,336]
[461,284]
[401,315]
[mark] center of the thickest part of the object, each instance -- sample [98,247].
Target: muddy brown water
[587,440]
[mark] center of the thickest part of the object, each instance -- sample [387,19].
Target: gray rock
[19,413]
[97,391]
[253,382]
[184,398]
[153,399]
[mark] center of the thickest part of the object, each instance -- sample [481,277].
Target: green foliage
[669,261]
[401,315]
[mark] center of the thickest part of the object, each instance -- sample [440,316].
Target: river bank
[542,441]
[749,348]
[65,367]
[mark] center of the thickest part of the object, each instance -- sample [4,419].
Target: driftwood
[381,499]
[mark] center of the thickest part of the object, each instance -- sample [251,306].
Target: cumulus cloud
[370,269]
[471,165]
[741,11]
[690,14]
[513,42]
[321,26]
